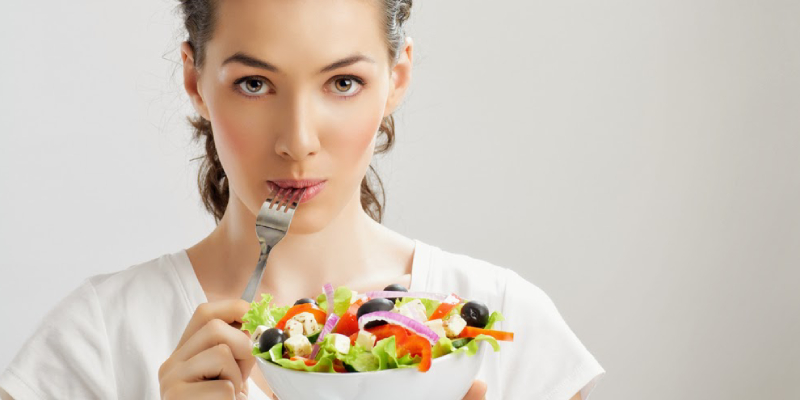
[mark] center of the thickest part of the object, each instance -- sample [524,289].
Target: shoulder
[103,300]
[158,278]
[149,294]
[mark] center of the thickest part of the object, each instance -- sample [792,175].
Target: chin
[308,222]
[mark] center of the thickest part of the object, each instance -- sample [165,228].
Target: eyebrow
[250,61]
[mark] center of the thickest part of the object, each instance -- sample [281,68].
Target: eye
[252,86]
[347,85]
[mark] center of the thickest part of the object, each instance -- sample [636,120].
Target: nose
[296,137]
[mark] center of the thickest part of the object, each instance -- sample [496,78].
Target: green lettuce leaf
[360,359]
[386,352]
[445,346]
[324,364]
[494,318]
[408,361]
[275,354]
[472,345]
[262,313]
[365,362]
[341,300]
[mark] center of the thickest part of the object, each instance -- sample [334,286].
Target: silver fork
[271,226]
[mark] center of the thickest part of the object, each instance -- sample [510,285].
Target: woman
[289,93]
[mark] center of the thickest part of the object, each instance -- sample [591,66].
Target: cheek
[354,142]
[233,137]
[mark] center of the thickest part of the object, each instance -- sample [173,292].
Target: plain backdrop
[637,160]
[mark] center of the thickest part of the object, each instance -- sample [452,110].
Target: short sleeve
[67,356]
[552,361]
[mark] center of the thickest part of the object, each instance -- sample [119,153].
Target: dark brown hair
[199,19]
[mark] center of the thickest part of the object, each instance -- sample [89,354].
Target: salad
[343,331]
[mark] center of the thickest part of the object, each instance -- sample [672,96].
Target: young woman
[289,94]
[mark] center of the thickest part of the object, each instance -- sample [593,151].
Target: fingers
[213,359]
[215,363]
[230,311]
[477,391]
[217,332]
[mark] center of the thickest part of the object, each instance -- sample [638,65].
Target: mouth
[312,187]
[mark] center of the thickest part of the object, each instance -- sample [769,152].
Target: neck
[345,250]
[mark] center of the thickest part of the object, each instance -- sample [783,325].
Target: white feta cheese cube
[293,327]
[437,326]
[340,342]
[257,334]
[310,324]
[353,297]
[414,310]
[298,346]
[454,325]
[365,340]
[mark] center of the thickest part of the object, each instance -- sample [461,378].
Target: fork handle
[255,279]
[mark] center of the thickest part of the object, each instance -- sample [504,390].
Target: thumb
[477,391]
[247,364]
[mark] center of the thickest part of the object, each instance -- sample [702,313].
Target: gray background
[638,160]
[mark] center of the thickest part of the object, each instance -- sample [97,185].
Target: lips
[312,186]
[296,184]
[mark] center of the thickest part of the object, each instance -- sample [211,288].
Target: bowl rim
[480,353]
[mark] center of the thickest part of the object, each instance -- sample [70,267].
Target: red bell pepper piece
[445,307]
[348,324]
[338,366]
[416,346]
[470,331]
[383,331]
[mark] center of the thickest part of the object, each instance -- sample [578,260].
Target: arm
[577,396]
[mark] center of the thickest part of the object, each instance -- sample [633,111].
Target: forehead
[298,34]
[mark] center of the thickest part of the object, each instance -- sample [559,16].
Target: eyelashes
[253,87]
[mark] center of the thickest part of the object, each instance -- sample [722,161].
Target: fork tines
[286,198]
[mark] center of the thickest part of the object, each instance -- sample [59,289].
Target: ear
[400,76]
[191,78]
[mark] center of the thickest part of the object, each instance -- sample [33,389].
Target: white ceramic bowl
[449,378]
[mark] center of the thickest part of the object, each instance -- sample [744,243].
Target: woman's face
[297,118]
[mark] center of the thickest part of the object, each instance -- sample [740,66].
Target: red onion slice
[419,295]
[328,288]
[329,325]
[401,320]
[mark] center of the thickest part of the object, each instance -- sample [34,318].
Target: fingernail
[241,396]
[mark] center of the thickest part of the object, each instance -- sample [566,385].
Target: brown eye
[344,84]
[253,86]
[347,86]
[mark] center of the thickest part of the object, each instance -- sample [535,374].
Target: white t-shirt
[108,338]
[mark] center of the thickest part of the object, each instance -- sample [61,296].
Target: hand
[213,359]
[477,391]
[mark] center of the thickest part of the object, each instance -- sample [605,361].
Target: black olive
[395,288]
[475,314]
[271,337]
[379,304]
[306,300]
